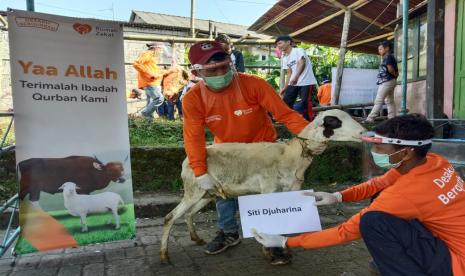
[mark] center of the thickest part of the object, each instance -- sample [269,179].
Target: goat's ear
[61,187]
[97,166]
[330,124]
[78,188]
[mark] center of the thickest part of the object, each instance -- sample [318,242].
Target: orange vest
[149,73]
[324,94]
[236,114]
[433,193]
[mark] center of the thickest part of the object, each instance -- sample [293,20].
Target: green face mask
[219,82]
[382,160]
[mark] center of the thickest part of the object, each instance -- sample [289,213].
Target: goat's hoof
[267,253]
[164,258]
[200,242]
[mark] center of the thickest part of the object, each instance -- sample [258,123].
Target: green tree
[324,58]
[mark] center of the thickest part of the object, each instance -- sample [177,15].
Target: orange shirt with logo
[236,114]
[149,73]
[433,193]
[324,94]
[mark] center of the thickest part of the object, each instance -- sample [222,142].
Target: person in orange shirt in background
[324,93]
[416,225]
[234,107]
[149,78]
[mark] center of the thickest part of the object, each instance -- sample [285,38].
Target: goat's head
[334,125]
[69,188]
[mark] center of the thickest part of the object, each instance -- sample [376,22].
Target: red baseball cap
[202,51]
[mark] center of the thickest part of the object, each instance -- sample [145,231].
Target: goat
[81,205]
[264,167]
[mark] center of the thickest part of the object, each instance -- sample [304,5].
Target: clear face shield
[383,160]
[372,137]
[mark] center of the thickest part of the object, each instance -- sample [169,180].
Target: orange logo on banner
[82,28]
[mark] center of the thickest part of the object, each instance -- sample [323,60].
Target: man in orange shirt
[416,226]
[149,78]
[324,93]
[234,106]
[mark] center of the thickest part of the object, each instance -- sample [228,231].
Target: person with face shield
[234,107]
[416,225]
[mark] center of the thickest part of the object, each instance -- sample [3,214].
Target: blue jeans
[154,100]
[166,110]
[305,94]
[404,247]
[227,209]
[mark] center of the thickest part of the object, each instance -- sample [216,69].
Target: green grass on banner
[99,230]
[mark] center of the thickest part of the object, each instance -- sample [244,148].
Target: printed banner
[278,213]
[72,140]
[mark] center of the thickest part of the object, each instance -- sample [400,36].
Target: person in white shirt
[300,81]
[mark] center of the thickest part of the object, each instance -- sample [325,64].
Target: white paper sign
[279,213]
[358,85]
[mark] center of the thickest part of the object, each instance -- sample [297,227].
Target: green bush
[157,133]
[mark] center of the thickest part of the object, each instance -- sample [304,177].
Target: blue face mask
[382,160]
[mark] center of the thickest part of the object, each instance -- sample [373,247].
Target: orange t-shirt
[149,73]
[324,94]
[433,193]
[236,114]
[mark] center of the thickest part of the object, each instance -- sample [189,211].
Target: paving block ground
[141,255]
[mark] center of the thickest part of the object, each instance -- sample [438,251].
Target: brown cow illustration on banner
[48,174]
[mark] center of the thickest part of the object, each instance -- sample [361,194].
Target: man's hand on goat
[316,147]
[209,184]
[323,198]
[206,182]
[269,240]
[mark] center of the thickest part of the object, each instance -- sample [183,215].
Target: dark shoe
[280,256]
[221,242]
[146,116]
[373,267]
[368,121]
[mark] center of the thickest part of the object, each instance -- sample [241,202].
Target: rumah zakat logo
[238,112]
[82,28]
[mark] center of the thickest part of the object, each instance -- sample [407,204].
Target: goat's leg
[116,216]
[179,211]
[189,220]
[83,223]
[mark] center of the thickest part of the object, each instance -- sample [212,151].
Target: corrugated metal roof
[329,32]
[181,22]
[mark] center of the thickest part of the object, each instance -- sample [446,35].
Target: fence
[11,206]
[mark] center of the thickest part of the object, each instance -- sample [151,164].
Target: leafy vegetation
[323,59]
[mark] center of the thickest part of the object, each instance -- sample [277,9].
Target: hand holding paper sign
[268,240]
[324,198]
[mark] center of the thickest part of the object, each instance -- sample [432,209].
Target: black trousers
[305,94]
[404,247]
